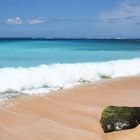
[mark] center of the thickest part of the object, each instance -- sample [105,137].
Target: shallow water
[15,53]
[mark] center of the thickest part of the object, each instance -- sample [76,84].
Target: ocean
[34,66]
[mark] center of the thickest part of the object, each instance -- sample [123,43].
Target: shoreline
[71,114]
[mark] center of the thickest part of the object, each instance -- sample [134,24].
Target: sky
[70,18]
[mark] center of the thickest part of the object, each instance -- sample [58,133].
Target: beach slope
[71,114]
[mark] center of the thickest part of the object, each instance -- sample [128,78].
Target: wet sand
[71,114]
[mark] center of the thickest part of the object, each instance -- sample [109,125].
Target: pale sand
[71,114]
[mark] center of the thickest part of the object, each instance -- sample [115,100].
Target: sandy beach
[70,114]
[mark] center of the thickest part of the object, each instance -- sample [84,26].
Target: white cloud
[37,20]
[126,11]
[16,20]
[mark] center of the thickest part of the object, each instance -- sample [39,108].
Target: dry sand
[72,114]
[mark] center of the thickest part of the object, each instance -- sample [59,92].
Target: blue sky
[70,18]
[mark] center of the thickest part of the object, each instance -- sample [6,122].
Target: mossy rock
[120,118]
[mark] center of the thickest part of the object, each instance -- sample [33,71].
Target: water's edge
[47,78]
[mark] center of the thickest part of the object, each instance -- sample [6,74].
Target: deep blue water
[29,52]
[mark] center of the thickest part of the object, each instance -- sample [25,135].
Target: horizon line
[66,38]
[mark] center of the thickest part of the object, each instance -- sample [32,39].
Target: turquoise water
[15,53]
[40,66]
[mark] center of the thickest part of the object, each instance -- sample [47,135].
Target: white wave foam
[46,78]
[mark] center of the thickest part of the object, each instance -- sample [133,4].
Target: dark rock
[120,118]
[105,77]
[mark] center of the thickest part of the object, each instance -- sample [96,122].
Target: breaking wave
[46,78]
